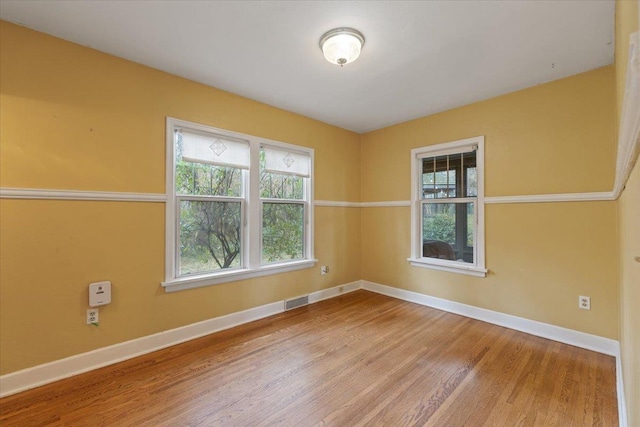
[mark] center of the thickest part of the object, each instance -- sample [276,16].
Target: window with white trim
[238,206]
[447,207]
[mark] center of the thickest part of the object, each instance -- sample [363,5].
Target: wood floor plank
[359,359]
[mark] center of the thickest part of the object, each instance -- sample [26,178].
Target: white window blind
[447,152]
[213,149]
[283,161]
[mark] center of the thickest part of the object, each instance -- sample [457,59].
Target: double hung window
[282,175]
[210,175]
[448,207]
[238,206]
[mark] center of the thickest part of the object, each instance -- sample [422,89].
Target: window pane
[210,236]
[436,186]
[277,186]
[282,232]
[472,182]
[201,179]
[439,222]
[445,184]
[442,176]
[471,225]
[428,187]
[439,177]
[448,231]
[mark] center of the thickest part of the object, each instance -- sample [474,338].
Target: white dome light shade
[341,45]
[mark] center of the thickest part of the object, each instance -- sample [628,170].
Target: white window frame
[477,268]
[251,256]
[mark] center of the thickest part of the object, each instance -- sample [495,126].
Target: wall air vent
[296,302]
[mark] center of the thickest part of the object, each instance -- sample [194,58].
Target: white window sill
[450,266]
[190,282]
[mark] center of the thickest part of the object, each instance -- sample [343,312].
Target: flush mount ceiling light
[341,45]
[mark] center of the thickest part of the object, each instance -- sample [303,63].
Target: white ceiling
[419,58]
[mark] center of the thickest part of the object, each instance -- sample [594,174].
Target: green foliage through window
[282,231]
[210,231]
[210,235]
[199,179]
[236,202]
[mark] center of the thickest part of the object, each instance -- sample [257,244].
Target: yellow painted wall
[77,119]
[542,140]
[554,138]
[74,118]
[628,230]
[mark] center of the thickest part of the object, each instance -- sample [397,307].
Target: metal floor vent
[296,302]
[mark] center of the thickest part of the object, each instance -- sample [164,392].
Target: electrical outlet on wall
[92,316]
[584,302]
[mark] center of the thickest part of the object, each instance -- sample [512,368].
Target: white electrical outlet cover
[584,302]
[92,316]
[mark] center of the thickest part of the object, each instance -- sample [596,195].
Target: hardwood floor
[359,359]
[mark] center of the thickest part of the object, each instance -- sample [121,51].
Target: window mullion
[463,188]
[253,229]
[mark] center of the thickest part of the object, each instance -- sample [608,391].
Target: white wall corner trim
[629,132]
[544,330]
[43,193]
[46,373]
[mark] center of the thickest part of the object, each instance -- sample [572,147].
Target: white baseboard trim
[622,402]
[36,376]
[544,330]
[46,373]
[334,292]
